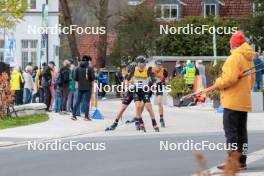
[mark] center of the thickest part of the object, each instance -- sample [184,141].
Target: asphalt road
[124,156]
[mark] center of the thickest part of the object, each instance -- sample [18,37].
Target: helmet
[141,59]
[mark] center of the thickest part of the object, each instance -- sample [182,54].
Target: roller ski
[130,121]
[156,128]
[142,128]
[137,124]
[162,123]
[112,127]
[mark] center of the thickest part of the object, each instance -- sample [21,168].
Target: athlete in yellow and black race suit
[142,79]
[160,75]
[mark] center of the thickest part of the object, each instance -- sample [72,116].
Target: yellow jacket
[235,92]
[16,79]
[37,78]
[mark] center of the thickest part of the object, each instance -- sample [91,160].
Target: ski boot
[156,128]
[162,123]
[137,124]
[112,127]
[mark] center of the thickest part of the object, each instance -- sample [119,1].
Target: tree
[71,36]
[181,44]
[102,41]
[11,13]
[137,32]
[254,26]
[103,14]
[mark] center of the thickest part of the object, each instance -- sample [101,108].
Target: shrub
[179,87]
[7,97]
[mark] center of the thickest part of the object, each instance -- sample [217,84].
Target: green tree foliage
[11,12]
[181,44]
[254,27]
[137,32]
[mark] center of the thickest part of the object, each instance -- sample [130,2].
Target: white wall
[33,17]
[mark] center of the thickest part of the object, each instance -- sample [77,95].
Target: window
[167,11]
[29,52]
[2,46]
[209,10]
[32,4]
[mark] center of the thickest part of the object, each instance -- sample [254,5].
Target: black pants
[235,127]
[47,96]
[65,94]
[41,95]
[19,97]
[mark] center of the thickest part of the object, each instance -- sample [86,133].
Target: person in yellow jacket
[236,96]
[16,85]
[40,89]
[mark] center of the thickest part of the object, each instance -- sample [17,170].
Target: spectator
[34,73]
[103,81]
[65,79]
[118,79]
[189,74]
[46,78]
[259,80]
[85,77]
[57,83]
[29,84]
[71,88]
[38,80]
[201,70]
[16,84]
[177,69]
[236,96]
[52,88]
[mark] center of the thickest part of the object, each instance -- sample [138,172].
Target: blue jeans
[83,96]
[57,103]
[28,96]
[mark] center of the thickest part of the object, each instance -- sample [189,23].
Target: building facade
[28,43]
[171,10]
[176,9]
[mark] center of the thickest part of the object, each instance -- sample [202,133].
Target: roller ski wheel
[156,128]
[142,128]
[162,123]
[112,127]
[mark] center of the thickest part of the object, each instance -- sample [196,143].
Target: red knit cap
[237,39]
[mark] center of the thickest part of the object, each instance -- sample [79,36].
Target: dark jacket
[65,76]
[84,75]
[46,76]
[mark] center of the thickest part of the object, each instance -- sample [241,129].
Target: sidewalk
[198,119]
